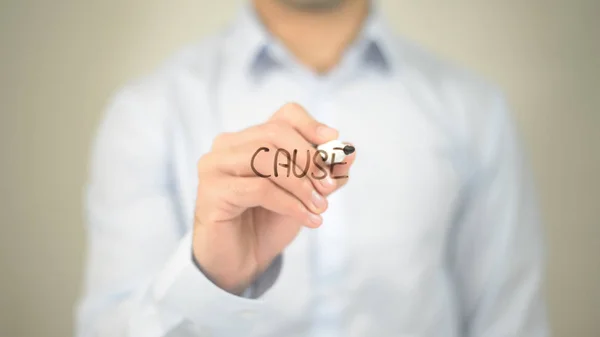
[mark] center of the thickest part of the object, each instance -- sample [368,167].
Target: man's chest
[384,235]
[403,186]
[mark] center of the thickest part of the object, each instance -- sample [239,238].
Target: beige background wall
[60,60]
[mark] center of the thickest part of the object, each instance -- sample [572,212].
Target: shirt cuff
[184,289]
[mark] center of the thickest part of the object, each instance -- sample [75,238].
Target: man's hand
[242,221]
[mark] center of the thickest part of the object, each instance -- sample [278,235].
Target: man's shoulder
[191,63]
[458,92]
[469,107]
[193,60]
[441,75]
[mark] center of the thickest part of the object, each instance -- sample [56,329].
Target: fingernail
[318,200]
[326,132]
[315,218]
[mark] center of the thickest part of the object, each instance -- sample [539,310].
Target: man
[435,232]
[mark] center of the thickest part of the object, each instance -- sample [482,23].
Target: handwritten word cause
[290,163]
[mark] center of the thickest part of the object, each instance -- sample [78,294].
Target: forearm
[178,297]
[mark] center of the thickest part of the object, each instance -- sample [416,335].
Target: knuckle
[235,188]
[291,108]
[221,139]
[288,110]
[262,188]
[238,171]
[273,130]
[212,217]
[207,209]
[203,163]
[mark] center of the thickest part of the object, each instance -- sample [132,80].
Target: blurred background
[60,61]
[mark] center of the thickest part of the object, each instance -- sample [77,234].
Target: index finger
[298,118]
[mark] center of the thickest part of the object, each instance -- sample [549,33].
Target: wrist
[232,282]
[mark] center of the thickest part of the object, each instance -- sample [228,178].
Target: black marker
[338,148]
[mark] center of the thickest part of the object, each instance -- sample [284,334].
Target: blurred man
[428,229]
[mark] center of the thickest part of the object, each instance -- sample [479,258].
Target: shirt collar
[258,51]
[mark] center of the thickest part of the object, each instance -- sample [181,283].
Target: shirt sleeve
[140,278]
[497,250]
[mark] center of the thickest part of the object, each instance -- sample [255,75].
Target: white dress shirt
[435,234]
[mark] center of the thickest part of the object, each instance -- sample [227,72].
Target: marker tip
[348,149]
